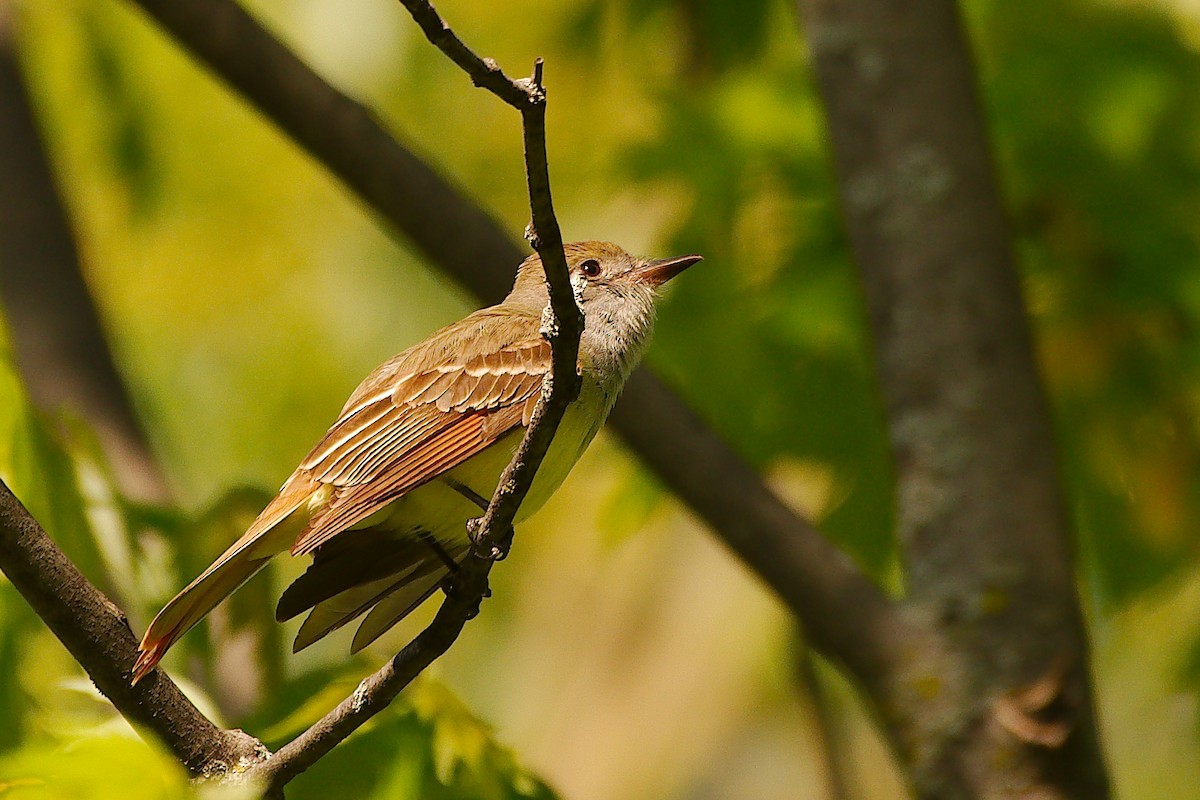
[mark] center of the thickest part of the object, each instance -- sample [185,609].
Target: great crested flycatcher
[381,503]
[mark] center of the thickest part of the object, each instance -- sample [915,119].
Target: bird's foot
[498,550]
[503,545]
[433,544]
[456,593]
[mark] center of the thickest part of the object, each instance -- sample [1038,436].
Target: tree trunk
[1002,708]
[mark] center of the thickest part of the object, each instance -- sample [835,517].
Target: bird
[381,503]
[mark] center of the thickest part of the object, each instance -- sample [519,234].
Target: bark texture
[1005,710]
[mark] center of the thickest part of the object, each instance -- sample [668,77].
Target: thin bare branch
[98,636]
[491,533]
[483,71]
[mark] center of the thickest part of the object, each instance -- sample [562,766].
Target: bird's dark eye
[591,267]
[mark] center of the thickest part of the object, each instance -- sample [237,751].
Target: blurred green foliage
[247,295]
[1103,174]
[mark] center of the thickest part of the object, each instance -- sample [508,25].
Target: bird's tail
[271,533]
[386,576]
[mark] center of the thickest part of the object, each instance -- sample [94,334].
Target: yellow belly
[441,510]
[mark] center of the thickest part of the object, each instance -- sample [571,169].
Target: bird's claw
[497,551]
[502,546]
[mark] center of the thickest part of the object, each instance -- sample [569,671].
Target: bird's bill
[661,270]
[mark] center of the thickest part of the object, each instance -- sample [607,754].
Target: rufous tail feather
[272,533]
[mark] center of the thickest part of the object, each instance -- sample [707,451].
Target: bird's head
[616,292]
[609,283]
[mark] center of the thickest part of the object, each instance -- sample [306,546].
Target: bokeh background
[625,654]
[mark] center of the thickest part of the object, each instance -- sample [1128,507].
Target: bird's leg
[498,551]
[503,544]
[466,491]
[440,551]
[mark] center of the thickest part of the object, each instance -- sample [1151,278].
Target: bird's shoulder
[493,340]
[482,375]
[423,413]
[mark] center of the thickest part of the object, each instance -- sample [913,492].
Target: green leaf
[426,746]
[102,767]
[41,474]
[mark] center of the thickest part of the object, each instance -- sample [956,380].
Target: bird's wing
[416,423]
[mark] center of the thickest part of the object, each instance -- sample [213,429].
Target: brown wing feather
[399,602]
[466,435]
[418,575]
[399,436]
[395,417]
[337,569]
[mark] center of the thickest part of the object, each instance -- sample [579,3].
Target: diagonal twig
[562,326]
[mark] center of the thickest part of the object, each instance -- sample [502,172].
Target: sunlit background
[625,653]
